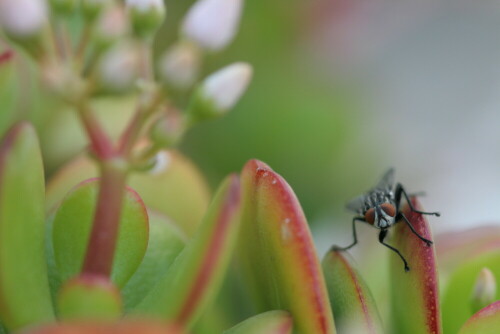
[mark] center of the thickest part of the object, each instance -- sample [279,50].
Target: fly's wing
[387,181]
[356,204]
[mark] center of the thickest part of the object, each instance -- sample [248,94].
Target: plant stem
[133,130]
[103,238]
[101,144]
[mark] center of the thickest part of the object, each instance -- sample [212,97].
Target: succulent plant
[124,238]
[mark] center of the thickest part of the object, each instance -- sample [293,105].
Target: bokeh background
[343,89]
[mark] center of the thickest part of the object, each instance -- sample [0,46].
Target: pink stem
[101,144]
[102,243]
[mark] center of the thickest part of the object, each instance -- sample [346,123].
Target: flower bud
[212,23]
[119,68]
[146,15]
[484,291]
[22,19]
[178,66]
[63,7]
[111,26]
[219,92]
[168,129]
[92,8]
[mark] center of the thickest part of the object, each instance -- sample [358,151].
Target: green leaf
[89,298]
[271,322]
[453,247]
[166,241]
[194,278]
[120,327]
[24,289]
[354,308]
[278,256]
[415,295]
[175,188]
[456,298]
[486,321]
[73,223]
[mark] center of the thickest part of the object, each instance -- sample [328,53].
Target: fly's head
[381,215]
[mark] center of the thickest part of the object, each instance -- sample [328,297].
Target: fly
[380,207]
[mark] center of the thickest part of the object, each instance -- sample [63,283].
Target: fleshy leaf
[73,223]
[453,247]
[456,298]
[195,277]
[24,290]
[277,252]
[415,296]
[271,322]
[122,327]
[166,241]
[485,321]
[174,187]
[354,308]
[89,298]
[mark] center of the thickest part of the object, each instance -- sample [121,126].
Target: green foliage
[72,227]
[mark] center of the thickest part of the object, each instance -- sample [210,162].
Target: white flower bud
[146,15]
[22,19]
[213,23]
[179,65]
[220,91]
[111,26]
[484,291]
[119,68]
[226,86]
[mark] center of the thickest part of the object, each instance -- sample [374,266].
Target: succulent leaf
[23,271]
[174,187]
[194,278]
[271,322]
[456,298]
[277,252]
[485,321]
[354,308]
[73,223]
[453,247]
[166,241]
[89,298]
[122,327]
[415,296]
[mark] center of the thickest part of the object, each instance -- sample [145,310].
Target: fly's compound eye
[370,216]
[389,209]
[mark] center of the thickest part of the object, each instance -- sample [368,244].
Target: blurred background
[343,89]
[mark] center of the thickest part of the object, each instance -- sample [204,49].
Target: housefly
[380,207]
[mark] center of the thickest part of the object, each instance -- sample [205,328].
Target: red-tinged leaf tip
[6,56]
[276,245]
[354,308]
[212,256]
[485,321]
[89,298]
[419,286]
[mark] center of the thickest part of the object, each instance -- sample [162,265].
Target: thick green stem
[102,242]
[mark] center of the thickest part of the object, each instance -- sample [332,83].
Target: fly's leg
[337,248]
[401,191]
[381,237]
[401,215]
